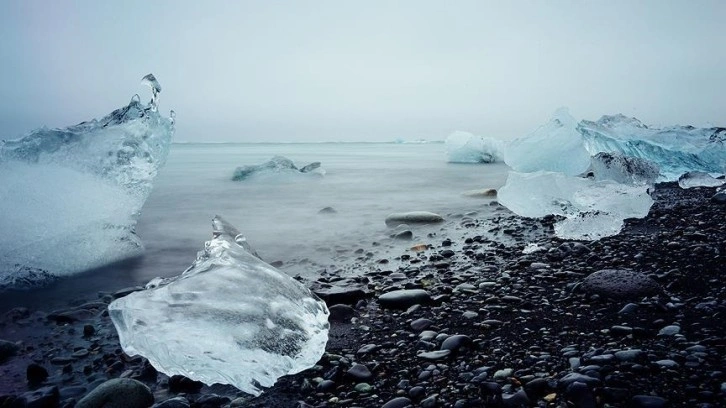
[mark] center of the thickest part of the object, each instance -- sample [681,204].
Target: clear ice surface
[70,197]
[464,147]
[624,169]
[699,179]
[555,146]
[591,209]
[276,167]
[230,318]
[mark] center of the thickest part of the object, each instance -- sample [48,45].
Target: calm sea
[364,182]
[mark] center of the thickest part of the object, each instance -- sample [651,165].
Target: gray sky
[362,70]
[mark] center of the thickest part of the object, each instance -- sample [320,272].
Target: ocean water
[364,182]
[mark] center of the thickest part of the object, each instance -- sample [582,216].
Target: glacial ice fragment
[230,318]
[555,146]
[624,169]
[70,197]
[464,147]
[675,149]
[151,82]
[277,166]
[591,209]
[699,179]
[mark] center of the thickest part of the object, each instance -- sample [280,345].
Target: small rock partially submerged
[413,217]
[481,193]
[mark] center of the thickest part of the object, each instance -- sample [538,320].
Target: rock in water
[413,217]
[404,298]
[483,193]
[620,283]
[71,196]
[230,318]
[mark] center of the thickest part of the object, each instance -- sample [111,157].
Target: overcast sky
[362,70]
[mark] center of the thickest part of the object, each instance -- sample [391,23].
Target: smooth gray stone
[413,217]
[118,393]
[404,298]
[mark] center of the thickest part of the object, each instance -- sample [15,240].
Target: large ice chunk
[464,147]
[276,167]
[592,209]
[70,197]
[230,318]
[675,149]
[555,146]
[624,169]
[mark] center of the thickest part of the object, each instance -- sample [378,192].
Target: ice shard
[464,147]
[70,197]
[591,209]
[230,318]
[699,179]
[276,167]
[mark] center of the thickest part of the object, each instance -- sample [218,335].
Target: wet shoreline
[521,330]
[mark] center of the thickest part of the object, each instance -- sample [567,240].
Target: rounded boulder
[118,393]
[620,284]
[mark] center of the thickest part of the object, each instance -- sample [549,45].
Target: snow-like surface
[230,318]
[556,146]
[71,196]
[592,209]
[464,147]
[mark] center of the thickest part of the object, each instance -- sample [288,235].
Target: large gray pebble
[414,217]
[404,298]
[118,393]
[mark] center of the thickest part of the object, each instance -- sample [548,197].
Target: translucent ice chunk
[276,167]
[592,209]
[699,179]
[70,197]
[230,318]
[464,147]
[555,146]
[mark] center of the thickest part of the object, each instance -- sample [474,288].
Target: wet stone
[359,372]
[648,401]
[421,324]
[404,298]
[399,402]
[620,283]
